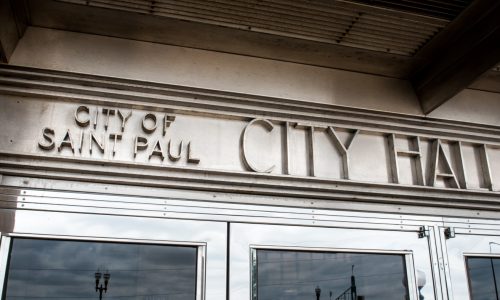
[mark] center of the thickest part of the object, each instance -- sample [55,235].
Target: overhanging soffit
[459,55]
[442,46]
[370,36]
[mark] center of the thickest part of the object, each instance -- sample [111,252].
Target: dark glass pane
[483,277]
[51,269]
[296,275]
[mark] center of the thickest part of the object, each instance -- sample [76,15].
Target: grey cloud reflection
[51,269]
[213,234]
[294,275]
[482,275]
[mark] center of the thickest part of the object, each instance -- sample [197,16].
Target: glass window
[483,273]
[298,275]
[61,269]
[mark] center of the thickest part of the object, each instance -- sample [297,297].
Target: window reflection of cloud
[294,275]
[481,277]
[53,269]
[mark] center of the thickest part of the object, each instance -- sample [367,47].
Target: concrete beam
[489,82]
[13,20]
[457,56]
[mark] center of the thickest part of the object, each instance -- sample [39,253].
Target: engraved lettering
[286,149]
[191,158]
[343,149]
[171,156]
[141,143]
[108,112]
[413,152]
[67,141]
[310,143]
[124,118]
[96,114]
[157,150]
[81,141]
[48,135]
[167,120]
[146,127]
[115,137]
[448,175]
[445,160]
[93,140]
[82,110]
[244,144]
[459,162]
[485,167]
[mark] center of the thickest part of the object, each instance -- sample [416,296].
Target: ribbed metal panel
[445,9]
[396,28]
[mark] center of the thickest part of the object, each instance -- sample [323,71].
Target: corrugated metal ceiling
[444,9]
[399,27]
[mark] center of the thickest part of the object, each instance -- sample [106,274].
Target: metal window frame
[189,209]
[408,256]
[475,255]
[5,242]
[409,253]
[188,206]
[201,253]
[464,228]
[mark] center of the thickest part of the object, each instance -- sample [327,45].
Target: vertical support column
[437,261]
[443,263]
[254,273]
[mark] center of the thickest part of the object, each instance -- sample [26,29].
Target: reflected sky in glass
[294,275]
[56,269]
[482,272]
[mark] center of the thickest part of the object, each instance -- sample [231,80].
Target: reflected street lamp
[100,288]
[354,293]
[317,290]
[493,270]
